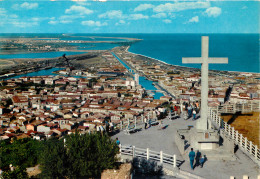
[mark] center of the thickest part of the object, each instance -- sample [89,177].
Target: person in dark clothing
[145,125]
[189,111]
[107,127]
[186,106]
[198,155]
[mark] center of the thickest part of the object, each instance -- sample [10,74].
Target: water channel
[147,84]
[45,72]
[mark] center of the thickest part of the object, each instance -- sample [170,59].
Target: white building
[137,79]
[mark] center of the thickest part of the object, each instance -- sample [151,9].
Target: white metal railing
[237,107]
[135,122]
[172,115]
[138,121]
[226,129]
[161,157]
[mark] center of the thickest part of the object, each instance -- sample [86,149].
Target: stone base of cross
[204,60]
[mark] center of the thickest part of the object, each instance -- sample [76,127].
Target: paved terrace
[163,140]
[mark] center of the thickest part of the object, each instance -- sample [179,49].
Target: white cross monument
[204,60]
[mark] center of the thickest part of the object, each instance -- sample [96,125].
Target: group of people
[177,110]
[109,127]
[147,123]
[199,160]
[191,110]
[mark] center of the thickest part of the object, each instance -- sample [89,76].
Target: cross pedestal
[204,140]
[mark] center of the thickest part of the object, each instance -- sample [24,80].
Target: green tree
[90,154]
[18,173]
[23,153]
[53,159]
[83,156]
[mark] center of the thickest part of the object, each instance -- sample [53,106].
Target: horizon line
[127,33]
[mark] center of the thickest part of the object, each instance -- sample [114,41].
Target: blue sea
[242,50]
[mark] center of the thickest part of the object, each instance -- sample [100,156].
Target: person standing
[117,141]
[150,123]
[97,128]
[202,160]
[197,106]
[181,107]
[179,110]
[186,106]
[198,156]
[192,156]
[194,114]
[101,129]
[189,111]
[107,127]
[145,123]
[111,125]
[175,110]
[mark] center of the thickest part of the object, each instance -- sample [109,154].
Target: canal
[147,84]
[45,72]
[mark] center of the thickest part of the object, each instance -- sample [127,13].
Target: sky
[107,16]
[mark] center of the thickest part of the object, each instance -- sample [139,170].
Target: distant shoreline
[239,72]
